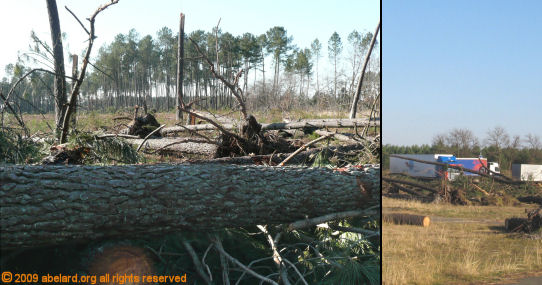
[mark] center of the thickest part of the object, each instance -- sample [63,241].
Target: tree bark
[46,205]
[58,54]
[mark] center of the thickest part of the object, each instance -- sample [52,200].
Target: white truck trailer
[527,172]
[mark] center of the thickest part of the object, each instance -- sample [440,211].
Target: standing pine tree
[334,47]
[316,47]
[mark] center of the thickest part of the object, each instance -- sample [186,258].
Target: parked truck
[527,172]
[418,169]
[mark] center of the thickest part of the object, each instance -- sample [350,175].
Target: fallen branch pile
[531,224]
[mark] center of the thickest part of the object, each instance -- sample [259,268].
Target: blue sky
[305,20]
[460,64]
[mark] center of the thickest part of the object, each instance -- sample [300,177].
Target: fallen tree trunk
[409,183]
[409,191]
[323,123]
[46,205]
[178,145]
[341,137]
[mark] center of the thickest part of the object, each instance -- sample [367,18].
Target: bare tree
[462,140]
[79,81]
[533,141]
[498,137]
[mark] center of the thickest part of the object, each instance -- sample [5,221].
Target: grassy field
[463,245]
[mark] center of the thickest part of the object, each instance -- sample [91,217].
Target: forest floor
[92,121]
[463,245]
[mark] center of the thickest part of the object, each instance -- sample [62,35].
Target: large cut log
[322,123]
[407,219]
[45,205]
[178,145]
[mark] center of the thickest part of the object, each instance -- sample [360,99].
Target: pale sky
[304,20]
[460,64]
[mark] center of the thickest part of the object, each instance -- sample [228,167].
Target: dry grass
[454,252]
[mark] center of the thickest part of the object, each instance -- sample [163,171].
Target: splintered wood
[407,219]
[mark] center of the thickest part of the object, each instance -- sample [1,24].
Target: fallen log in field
[323,123]
[407,219]
[46,205]
[178,145]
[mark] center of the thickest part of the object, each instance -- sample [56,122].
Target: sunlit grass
[455,252]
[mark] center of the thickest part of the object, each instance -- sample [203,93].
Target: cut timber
[178,145]
[407,219]
[515,224]
[323,123]
[46,205]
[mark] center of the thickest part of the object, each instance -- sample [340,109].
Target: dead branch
[236,91]
[22,78]
[148,136]
[409,191]
[276,255]
[212,122]
[341,215]
[117,135]
[19,119]
[197,263]
[79,81]
[409,183]
[365,232]
[83,26]
[223,262]
[303,148]
[480,189]
[218,247]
